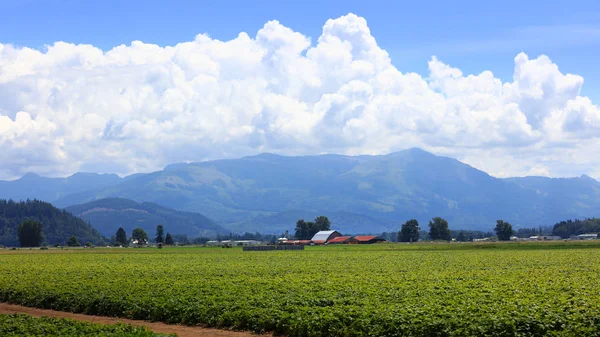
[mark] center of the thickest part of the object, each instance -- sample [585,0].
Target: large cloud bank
[139,107]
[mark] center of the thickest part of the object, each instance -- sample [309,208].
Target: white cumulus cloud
[138,107]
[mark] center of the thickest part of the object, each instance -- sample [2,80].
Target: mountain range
[360,194]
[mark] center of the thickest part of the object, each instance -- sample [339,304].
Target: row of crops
[326,291]
[25,325]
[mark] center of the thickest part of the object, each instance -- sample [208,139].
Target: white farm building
[323,236]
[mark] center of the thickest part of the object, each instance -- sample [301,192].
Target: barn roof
[322,235]
[339,239]
[365,237]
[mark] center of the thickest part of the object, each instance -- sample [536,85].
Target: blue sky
[86,105]
[470,35]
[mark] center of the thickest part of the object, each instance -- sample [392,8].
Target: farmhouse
[368,239]
[324,236]
[585,237]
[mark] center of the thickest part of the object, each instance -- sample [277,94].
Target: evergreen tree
[409,231]
[169,240]
[121,237]
[160,232]
[30,233]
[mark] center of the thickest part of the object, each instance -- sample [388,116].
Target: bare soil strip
[180,330]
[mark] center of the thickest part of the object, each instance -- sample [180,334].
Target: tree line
[305,230]
[439,231]
[566,229]
[31,234]
[140,237]
[411,231]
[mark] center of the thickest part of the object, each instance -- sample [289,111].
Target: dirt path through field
[180,330]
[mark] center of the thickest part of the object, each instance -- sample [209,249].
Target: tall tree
[160,234]
[306,230]
[140,236]
[322,223]
[169,240]
[438,229]
[30,233]
[503,230]
[301,232]
[73,242]
[462,237]
[121,237]
[312,229]
[409,231]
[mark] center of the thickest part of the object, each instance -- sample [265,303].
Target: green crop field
[24,325]
[527,289]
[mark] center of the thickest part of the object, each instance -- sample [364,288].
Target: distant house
[342,240]
[324,236]
[213,243]
[368,239]
[544,238]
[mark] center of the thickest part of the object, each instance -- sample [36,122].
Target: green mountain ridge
[58,225]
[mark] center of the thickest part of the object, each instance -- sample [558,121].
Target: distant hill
[33,186]
[563,198]
[362,194]
[57,225]
[107,215]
